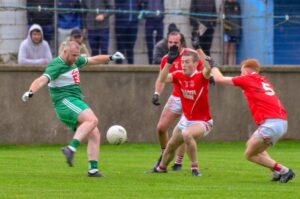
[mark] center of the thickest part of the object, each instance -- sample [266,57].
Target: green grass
[39,171]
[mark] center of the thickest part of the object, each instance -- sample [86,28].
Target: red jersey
[176,65]
[193,95]
[262,100]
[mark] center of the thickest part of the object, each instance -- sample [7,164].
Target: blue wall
[287,35]
[257,31]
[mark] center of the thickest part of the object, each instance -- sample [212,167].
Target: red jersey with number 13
[176,65]
[193,95]
[262,100]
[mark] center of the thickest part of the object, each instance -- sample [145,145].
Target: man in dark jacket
[154,25]
[203,26]
[97,25]
[126,26]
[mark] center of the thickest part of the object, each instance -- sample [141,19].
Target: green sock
[93,165]
[74,144]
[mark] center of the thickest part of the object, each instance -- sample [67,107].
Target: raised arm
[164,75]
[206,68]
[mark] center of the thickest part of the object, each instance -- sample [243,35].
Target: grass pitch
[40,171]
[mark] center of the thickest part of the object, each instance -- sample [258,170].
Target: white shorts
[174,104]
[271,130]
[183,124]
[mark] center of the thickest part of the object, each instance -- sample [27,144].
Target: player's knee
[94,121]
[161,130]
[248,156]
[187,137]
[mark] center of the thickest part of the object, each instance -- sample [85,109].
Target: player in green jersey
[62,76]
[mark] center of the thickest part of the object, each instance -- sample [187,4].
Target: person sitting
[76,35]
[34,49]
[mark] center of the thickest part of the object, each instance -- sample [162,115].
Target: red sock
[179,159]
[194,166]
[161,168]
[277,167]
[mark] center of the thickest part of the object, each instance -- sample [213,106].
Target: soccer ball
[116,134]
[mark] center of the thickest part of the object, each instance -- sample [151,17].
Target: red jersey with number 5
[176,65]
[193,95]
[262,100]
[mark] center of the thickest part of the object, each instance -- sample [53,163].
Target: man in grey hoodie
[34,49]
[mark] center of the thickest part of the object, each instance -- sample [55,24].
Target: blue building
[266,36]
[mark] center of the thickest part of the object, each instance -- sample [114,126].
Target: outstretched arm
[219,78]
[36,85]
[103,59]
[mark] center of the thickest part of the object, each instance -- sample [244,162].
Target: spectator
[203,26]
[154,25]
[126,27]
[161,48]
[43,18]
[76,35]
[231,31]
[34,49]
[97,25]
[68,19]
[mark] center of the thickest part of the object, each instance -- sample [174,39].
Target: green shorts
[68,110]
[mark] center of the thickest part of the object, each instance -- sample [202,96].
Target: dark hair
[182,38]
[172,27]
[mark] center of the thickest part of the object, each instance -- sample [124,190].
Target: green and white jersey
[64,80]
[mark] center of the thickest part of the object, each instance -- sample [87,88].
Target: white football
[116,134]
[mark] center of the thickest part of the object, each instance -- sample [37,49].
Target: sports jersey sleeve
[163,62]
[199,66]
[175,76]
[52,71]
[239,81]
[81,61]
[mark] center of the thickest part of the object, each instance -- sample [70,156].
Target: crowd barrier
[121,94]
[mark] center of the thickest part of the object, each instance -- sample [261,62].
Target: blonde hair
[251,63]
[193,54]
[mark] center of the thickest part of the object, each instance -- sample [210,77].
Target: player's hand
[155,99]
[173,53]
[195,40]
[211,62]
[117,56]
[27,95]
